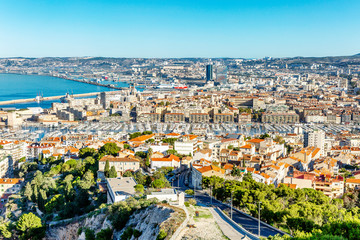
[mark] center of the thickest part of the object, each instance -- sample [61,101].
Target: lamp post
[259,218]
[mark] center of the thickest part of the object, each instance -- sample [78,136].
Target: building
[315,138]
[223,118]
[174,117]
[119,189]
[285,117]
[169,161]
[121,164]
[207,171]
[209,73]
[10,185]
[199,118]
[6,166]
[149,117]
[167,194]
[186,146]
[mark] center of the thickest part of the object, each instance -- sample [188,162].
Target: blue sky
[168,28]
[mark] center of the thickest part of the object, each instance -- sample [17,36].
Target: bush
[187,204]
[89,234]
[192,201]
[162,235]
[189,192]
[104,234]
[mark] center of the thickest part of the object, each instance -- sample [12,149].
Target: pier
[8,102]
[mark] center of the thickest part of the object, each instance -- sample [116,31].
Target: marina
[119,131]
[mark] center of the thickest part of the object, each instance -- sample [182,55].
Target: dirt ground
[205,226]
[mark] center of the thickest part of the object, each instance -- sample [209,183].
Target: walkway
[227,229]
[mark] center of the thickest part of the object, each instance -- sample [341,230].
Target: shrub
[162,235]
[192,201]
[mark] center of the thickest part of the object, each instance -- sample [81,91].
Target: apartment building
[174,117]
[199,118]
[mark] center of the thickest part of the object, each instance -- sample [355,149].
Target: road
[245,221]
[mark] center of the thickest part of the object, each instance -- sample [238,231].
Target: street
[245,221]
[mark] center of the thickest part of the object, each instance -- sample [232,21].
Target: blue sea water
[14,86]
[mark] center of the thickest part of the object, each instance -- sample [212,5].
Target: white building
[120,189]
[167,194]
[315,138]
[169,161]
[186,146]
[10,185]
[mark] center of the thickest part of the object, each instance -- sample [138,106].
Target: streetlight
[259,218]
[210,196]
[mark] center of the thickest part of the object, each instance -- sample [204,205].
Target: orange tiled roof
[255,140]
[11,180]
[116,159]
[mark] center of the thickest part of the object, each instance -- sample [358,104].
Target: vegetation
[300,212]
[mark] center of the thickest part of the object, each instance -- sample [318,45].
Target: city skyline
[208,29]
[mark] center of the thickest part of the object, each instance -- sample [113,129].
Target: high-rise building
[209,73]
[221,75]
[315,138]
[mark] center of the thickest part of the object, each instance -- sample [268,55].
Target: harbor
[39,98]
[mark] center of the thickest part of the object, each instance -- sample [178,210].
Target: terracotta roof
[350,180]
[11,180]
[116,159]
[255,140]
[142,138]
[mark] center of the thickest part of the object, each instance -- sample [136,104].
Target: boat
[66,98]
[180,86]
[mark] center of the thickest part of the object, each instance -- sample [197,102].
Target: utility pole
[179,181]
[259,218]
[210,196]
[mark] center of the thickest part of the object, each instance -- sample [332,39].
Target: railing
[236,226]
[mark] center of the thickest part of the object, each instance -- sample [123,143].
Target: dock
[8,102]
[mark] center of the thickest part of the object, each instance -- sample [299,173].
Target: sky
[187,28]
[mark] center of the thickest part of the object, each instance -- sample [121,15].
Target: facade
[315,138]
[169,161]
[280,118]
[223,118]
[6,166]
[149,117]
[10,185]
[121,164]
[174,117]
[199,118]
[186,146]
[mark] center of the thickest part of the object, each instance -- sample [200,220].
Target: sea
[15,86]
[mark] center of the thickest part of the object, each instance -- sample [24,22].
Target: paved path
[226,228]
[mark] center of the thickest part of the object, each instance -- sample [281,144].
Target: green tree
[28,191]
[107,168]
[139,188]
[112,172]
[29,225]
[4,230]
[109,149]
[89,234]
[86,152]
[104,234]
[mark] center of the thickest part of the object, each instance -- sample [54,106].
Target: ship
[180,86]
[66,98]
